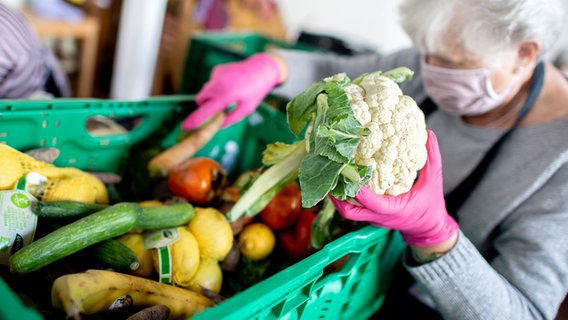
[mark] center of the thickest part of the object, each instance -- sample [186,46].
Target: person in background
[487,238]
[561,61]
[27,68]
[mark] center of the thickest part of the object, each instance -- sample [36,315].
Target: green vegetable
[115,255]
[322,229]
[267,185]
[165,216]
[65,209]
[339,150]
[108,223]
[253,271]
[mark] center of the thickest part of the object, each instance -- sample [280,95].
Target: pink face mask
[461,92]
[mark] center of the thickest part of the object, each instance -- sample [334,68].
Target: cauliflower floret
[358,103]
[367,147]
[395,148]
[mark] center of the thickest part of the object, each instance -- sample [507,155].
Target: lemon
[209,276]
[256,241]
[185,258]
[135,241]
[150,203]
[213,233]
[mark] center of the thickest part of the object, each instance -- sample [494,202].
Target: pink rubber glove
[419,214]
[245,83]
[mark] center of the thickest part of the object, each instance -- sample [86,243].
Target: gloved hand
[245,83]
[419,214]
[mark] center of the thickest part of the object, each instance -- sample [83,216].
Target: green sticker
[165,264]
[20,200]
[22,184]
[5,243]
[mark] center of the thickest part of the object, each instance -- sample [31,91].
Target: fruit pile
[175,252]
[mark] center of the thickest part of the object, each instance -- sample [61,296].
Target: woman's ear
[527,54]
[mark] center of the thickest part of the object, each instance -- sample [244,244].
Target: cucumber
[165,216]
[108,223]
[65,209]
[114,254]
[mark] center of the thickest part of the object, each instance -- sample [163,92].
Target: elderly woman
[487,240]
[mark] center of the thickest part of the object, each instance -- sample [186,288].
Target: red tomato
[295,243]
[283,210]
[199,180]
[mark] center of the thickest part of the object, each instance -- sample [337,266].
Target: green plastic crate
[209,49]
[62,123]
[239,147]
[12,307]
[309,289]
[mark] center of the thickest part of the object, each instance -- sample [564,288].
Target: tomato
[200,180]
[283,210]
[295,242]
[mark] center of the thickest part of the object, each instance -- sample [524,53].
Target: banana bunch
[95,291]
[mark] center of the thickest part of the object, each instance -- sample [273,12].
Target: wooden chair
[86,31]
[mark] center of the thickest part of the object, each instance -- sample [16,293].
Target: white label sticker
[17,222]
[122,302]
[160,238]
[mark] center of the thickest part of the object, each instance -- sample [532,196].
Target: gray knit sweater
[511,259]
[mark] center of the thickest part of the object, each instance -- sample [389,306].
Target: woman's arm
[430,253]
[528,276]
[303,68]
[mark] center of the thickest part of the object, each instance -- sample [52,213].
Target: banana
[95,291]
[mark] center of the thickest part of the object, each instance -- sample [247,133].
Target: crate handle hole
[103,126]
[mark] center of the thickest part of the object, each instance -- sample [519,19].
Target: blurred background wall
[158,50]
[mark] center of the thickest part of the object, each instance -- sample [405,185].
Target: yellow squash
[14,165]
[208,276]
[213,233]
[62,183]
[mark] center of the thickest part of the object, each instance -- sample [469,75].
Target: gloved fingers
[224,70]
[243,109]
[430,177]
[203,113]
[210,90]
[431,174]
[351,211]
[380,203]
[203,95]
[219,86]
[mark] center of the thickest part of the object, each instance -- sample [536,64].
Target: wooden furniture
[179,26]
[86,32]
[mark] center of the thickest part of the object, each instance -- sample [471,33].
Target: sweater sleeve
[304,68]
[527,275]
[25,63]
[464,286]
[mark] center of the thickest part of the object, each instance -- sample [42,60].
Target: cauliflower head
[350,134]
[395,146]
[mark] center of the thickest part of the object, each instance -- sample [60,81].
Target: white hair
[483,28]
